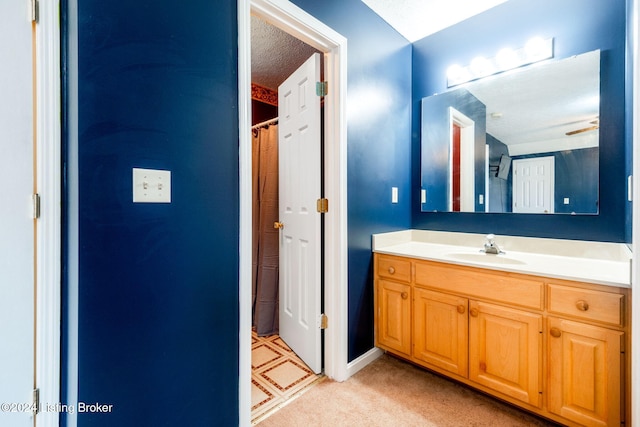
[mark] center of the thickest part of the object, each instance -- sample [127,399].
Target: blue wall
[158,283]
[576,178]
[435,130]
[379,150]
[158,292]
[577,26]
[158,328]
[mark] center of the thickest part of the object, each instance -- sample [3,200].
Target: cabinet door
[505,350]
[584,372]
[440,330]
[393,311]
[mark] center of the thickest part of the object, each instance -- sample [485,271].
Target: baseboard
[362,361]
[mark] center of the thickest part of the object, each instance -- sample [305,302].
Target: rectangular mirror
[524,141]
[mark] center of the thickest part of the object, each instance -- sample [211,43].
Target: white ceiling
[532,109]
[275,54]
[416,19]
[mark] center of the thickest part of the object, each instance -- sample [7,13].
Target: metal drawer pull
[582,305]
[392,270]
[404,295]
[555,332]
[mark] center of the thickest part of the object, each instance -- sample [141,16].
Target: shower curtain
[265,236]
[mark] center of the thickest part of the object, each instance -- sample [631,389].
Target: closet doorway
[287,238]
[294,21]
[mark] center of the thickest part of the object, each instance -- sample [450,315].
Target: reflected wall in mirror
[524,141]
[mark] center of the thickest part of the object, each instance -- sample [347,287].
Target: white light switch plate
[151,186]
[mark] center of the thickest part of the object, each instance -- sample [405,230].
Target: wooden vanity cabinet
[505,351]
[491,345]
[586,344]
[553,347]
[585,372]
[393,304]
[394,316]
[441,330]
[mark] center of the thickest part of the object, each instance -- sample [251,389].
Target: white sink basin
[485,258]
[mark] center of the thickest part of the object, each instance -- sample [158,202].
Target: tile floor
[277,374]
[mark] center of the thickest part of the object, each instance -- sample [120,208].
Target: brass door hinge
[35,400]
[35,11]
[322,205]
[324,321]
[35,199]
[322,88]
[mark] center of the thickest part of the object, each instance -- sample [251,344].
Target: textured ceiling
[542,103]
[275,55]
[416,19]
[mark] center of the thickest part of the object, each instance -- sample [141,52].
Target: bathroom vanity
[544,326]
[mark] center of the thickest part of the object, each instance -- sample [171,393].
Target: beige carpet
[391,392]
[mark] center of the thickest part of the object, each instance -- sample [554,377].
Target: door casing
[49,186]
[467,160]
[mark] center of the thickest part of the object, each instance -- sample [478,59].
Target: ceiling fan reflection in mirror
[596,126]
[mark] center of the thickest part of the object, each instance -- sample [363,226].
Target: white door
[300,236]
[533,185]
[16,225]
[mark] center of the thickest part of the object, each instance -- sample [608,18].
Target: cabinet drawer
[586,304]
[394,268]
[504,288]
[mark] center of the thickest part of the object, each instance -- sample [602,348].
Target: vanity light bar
[536,49]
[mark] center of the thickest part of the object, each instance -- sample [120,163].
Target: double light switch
[151,186]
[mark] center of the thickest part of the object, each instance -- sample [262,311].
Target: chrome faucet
[490,246]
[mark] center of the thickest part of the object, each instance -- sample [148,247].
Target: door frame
[49,228]
[305,27]
[634,42]
[467,160]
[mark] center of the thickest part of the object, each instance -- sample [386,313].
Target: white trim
[362,361]
[486,178]
[73,207]
[467,160]
[246,241]
[634,40]
[298,23]
[49,183]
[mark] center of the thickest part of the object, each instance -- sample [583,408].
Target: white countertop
[593,262]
